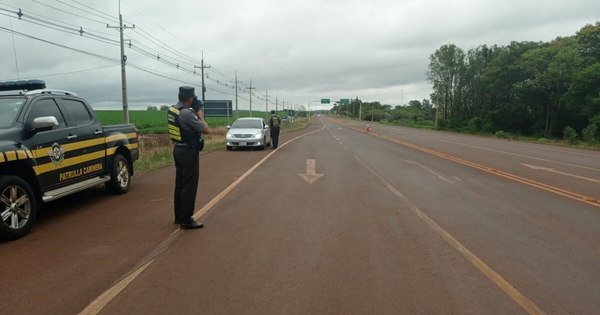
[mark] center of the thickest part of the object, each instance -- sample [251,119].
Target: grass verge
[156,150]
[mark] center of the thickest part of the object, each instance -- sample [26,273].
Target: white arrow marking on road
[548,169]
[311,175]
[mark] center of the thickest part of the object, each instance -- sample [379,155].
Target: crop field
[155,122]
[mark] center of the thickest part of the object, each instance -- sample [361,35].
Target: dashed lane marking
[493,276]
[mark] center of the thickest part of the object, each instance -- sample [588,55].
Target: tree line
[539,89]
[543,89]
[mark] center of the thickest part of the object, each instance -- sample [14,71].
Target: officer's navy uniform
[274,125]
[185,132]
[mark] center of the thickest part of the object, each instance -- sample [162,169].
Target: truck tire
[119,176]
[18,207]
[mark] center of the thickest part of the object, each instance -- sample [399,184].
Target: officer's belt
[185,146]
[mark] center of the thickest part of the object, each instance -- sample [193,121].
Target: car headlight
[258,135]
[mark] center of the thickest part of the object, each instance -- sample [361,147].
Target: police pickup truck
[52,145]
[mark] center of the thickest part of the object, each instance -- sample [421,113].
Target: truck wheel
[17,207]
[119,176]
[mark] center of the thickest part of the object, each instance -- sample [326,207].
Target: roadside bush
[589,133]
[543,140]
[570,134]
[500,134]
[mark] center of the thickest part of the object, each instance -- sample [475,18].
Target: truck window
[9,108]
[78,112]
[46,107]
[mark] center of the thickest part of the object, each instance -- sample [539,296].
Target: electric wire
[142,49]
[88,12]
[91,8]
[70,72]
[59,45]
[71,13]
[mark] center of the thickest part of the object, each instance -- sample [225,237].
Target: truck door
[49,147]
[89,143]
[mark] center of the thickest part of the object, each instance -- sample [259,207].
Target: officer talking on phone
[186,127]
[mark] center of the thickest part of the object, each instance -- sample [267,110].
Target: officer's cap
[186,91]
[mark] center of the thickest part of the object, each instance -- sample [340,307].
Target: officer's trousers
[275,136]
[187,174]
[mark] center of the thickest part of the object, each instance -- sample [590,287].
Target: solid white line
[100,302]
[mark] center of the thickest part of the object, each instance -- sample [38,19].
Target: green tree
[589,39]
[445,67]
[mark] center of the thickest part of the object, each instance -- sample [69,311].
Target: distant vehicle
[52,145]
[248,132]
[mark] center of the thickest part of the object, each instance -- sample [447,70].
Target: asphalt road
[336,221]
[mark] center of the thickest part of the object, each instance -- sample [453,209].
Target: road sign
[345,101]
[324,101]
[217,108]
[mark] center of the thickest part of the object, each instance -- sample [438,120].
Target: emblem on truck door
[57,154]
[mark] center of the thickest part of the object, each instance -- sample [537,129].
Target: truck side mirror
[44,123]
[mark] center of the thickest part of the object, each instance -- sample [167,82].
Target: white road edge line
[101,301]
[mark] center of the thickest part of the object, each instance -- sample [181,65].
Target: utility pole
[267,101]
[250,88]
[202,67]
[237,113]
[359,111]
[437,104]
[276,104]
[121,27]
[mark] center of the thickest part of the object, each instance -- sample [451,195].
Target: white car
[248,132]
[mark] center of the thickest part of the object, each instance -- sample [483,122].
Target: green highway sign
[324,101]
[345,101]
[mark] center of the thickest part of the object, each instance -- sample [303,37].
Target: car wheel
[228,148]
[17,207]
[119,176]
[264,146]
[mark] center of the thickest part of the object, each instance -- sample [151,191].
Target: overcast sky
[300,51]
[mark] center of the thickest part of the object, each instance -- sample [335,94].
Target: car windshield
[247,123]
[9,108]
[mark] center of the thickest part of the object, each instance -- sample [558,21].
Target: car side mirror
[228,127]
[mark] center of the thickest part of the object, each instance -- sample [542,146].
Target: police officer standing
[185,129]
[274,125]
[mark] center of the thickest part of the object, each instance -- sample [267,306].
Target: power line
[135,45]
[94,14]
[71,13]
[69,72]
[45,22]
[73,30]
[59,45]
[147,18]
[91,8]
